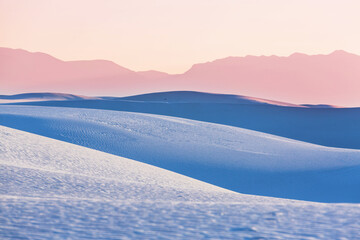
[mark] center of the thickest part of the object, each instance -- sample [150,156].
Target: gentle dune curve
[237,159]
[53,189]
[332,127]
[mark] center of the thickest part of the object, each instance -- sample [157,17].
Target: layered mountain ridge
[299,78]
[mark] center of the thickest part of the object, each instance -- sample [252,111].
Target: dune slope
[238,159]
[52,189]
[333,127]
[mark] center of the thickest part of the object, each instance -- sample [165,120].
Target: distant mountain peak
[296,54]
[338,52]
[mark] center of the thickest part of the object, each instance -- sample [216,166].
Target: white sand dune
[234,158]
[333,127]
[52,189]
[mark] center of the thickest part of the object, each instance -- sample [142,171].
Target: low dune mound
[201,97]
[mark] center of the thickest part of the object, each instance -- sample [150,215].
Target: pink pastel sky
[170,36]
